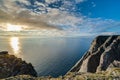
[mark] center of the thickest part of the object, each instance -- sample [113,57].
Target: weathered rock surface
[12,66]
[103,53]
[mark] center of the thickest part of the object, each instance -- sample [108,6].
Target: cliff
[12,66]
[103,54]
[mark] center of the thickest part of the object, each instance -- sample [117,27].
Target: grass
[110,74]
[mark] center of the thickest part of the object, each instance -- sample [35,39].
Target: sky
[60,17]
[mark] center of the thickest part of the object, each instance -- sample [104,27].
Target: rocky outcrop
[12,66]
[103,53]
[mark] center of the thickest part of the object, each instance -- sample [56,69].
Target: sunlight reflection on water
[49,56]
[15,45]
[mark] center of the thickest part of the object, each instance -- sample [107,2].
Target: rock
[3,52]
[12,66]
[103,52]
[111,53]
[114,64]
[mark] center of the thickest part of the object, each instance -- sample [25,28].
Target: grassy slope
[113,73]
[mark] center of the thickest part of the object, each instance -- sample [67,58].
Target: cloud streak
[51,16]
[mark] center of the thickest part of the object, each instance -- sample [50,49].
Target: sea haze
[49,56]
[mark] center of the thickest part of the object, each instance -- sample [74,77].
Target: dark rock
[103,51]
[114,64]
[3,52]
[12,66]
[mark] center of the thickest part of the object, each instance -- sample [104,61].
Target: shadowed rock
[12,66]
[3,52]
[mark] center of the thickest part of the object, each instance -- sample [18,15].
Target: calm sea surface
[49,56]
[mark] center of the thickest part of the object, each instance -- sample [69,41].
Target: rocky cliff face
[12,66]
[103,54]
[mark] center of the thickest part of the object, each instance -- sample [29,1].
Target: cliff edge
[103,54]
[12,66]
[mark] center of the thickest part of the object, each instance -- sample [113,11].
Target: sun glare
[11,27]
[14,42]
[15,46]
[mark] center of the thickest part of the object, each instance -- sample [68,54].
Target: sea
[50,56]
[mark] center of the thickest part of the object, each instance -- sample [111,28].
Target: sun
[11,27]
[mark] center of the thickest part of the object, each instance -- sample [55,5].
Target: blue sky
[63,17]
[107,9]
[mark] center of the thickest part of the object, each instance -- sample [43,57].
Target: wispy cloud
[54,18]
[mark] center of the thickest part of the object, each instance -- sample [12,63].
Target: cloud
[81,24]
[20,13]
[78,1]
[50,1]
[48,17]
[40,6]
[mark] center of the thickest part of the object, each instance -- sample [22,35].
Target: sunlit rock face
[12,66]
[103,54]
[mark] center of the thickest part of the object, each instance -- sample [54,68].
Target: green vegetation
[110,74]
